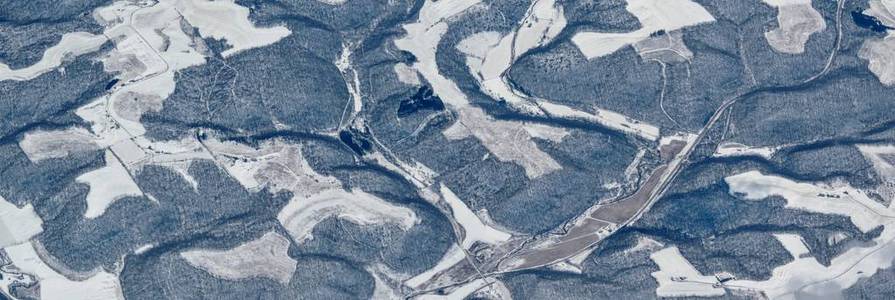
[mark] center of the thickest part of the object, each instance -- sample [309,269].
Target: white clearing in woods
[263,257]
[303,213]
[17,225]
[453,256]
[880,52]
[609,118]
[678,278]
[797,20]
[40,145]
[475,230]
[224,19]
[805,275]
[865,213]
[727,149]
[102,285]
[107,184]
[654,15]
[808,277]
[71,45]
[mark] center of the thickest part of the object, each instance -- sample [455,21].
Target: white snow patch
[143,249]
[150,47]
[406,74]
[609,118]
[107,184]
[453,256]
[333,2]
[128,152]
[263,257]
[875,154]
[17,225]
[475,230]
[644,244]
[224,19]
[810,278]
[727,149]
[105,130]
[654,15]
[422,39]
[865,213]
[797,20]
[53,285]
[544,21]
[302,213]
[779,3]
[40,145]
[545,132]
[678,278]
[794,244]
[71,45]
[479,44]
[352,81]
[880,52]
[805,275]
[882,10]
[565,266]
[436,11]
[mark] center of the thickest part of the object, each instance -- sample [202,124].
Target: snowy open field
[654,15]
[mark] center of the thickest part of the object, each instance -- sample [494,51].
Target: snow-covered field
[880,52]
[224,19]
[107,184]
[797,20]
[149,39]
[39,145]
[805,275]
[644,244]
[654,15]
[727,149]
[453,256]
[406,74]
[609,118]
[475,230]
[678,278]
[71,45]
[666,48]
[17,225]
[301,214]
[264,257]
[844,200]
[102,285]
